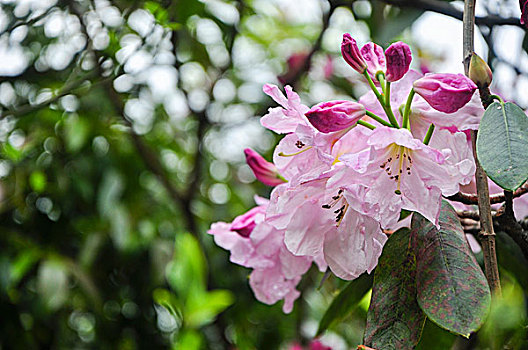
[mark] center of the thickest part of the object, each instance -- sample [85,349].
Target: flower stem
[497,97]
[387,93]
[407,111]
[365,124]
[380,97]
[429,134]
[378,118]
[372,85]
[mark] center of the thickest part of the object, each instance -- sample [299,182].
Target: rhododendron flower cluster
[345,170]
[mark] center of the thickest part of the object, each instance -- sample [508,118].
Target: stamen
[282,154]
[342,214]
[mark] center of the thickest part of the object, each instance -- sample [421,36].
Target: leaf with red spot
[452,290]
[394,319]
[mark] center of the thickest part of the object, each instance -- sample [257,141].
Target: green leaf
[502,144]
[188,340]
[452,289]
[38,181]
[186,272]
[394,319]
[345,302]
[21,265]
[202,308]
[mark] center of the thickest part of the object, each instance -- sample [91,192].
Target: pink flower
[374,58]
[284,119]
[264,171]
[445,92]
[402,173]
[335,115]
[398,60]
[318,219]
[458,155]
[276,271]
[351,54]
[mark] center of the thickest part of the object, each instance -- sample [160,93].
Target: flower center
[398,163]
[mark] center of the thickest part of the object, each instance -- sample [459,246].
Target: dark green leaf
[452,289]
[502,144]
[394,319]
[345,302]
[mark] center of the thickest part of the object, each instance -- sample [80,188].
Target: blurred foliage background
[122,129]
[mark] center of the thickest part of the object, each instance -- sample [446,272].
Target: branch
[470,199]
[445,8]
[491,268]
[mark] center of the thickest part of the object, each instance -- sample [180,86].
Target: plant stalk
[487,233]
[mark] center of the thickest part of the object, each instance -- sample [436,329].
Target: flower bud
[479,71]
[245,223]
[335,115]
[445,92]
[399,59]
[374,58]
[351,53]
[264,171]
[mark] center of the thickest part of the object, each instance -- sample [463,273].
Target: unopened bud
[264,171]
[335,115]
[445,92]
[479,71]
[351,54]
[399,59]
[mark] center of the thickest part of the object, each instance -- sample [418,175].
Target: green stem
[378,118]
[387,93]
[365,124]
[380,97]
[372,85]
[497,97]
[407,111]
[429,134]
[381,78]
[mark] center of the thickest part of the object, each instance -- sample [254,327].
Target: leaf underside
[502,144]
[452,290]
[394,319]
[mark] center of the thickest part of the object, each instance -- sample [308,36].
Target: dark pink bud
[374,57]
[399,59]
[335,115]
[524,12]
[245,223]
[445,92]
[264,171]
[351,53]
